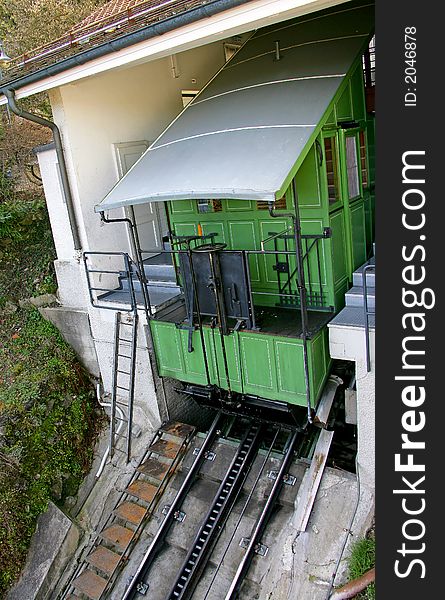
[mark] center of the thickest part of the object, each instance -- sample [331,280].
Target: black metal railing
[124,285]
[205,274]
[105,272]
[367,313]
[287,277]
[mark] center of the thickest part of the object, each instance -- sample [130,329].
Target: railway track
[223,540]
[205,535]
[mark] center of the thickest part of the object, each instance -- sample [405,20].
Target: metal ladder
[122,394]
[213,522]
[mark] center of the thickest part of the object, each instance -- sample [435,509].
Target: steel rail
[213,523]
[262,520]
[243,512]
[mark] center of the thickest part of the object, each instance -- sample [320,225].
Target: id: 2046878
[410,49]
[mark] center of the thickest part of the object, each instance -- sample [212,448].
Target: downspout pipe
[10,95]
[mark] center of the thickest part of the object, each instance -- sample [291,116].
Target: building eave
[202,26]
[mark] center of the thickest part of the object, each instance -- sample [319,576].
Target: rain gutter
[130,39]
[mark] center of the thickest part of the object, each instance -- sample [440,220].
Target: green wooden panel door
[258,361]
[168,349]
[290,370]
[231,345]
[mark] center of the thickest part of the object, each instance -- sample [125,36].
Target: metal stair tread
[117,535]
[142,489]
[358,291]
[104,559]
[90,584]
[153,468]
[178,429]
[131,512]
[165,448]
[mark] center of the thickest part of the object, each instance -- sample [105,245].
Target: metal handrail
[128,265]
[131,267]
[367,314]
[273,236]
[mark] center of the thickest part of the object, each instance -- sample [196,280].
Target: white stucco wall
[94,114]
[123,105]
[348,343]
[55,201]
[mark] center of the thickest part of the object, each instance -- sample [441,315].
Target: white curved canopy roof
[243,135]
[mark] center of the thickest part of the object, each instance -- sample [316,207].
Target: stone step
[159,267]
[90,584]
[155,285]
[160,271]
[174,304]
[104,559]
[354,297]
[130,512]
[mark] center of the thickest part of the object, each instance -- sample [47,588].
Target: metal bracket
[260,549]
[281,267]
[287,479]
[327,232]
[208,455]
[142,588]
[179,515]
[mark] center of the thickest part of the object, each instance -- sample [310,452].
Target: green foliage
[26,248]
[361,560]
[27,24]
[6,188]
[47,429]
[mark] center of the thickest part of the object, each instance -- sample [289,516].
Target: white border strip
[250,128]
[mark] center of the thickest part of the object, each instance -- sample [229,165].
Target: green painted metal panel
[269,366]
[290,360]
[307,180]
[194,366]
[215,227]
[168,349]
[182,206]
[186,228]
[338,242]
[343,107]
[358,234]
[318,363]
[243,235]
[268,226]
[358,94]
[258,362]
[238,205]
[231,343]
